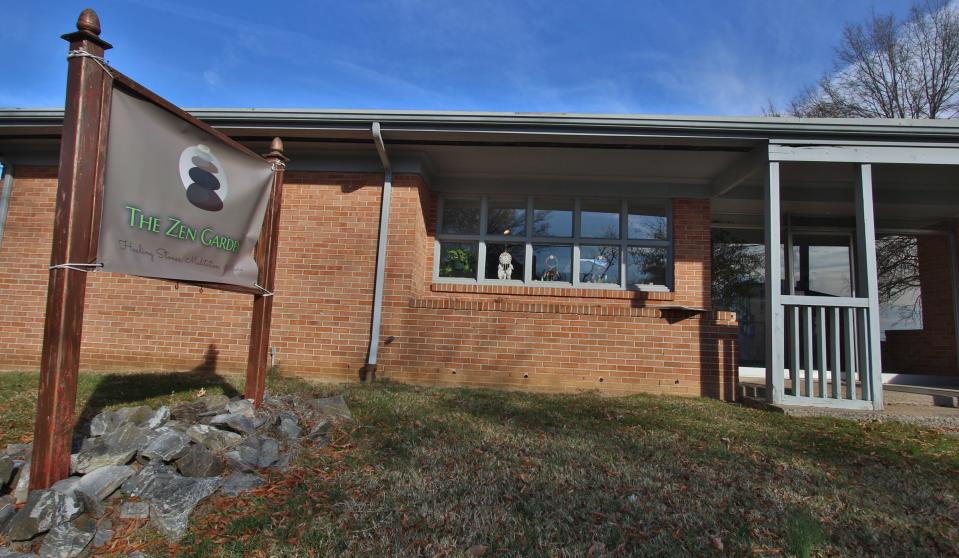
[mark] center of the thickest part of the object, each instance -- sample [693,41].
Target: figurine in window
[505,270]
[551,273]
[597,272]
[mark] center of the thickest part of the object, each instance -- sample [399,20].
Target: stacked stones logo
[203,177]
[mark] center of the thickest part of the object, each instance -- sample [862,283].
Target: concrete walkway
[929,407]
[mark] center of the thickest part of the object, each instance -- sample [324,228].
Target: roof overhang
[500,126]
[572,154]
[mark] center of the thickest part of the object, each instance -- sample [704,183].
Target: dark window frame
[482,238]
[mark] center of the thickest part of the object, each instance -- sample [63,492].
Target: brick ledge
[558,292]
[437,303]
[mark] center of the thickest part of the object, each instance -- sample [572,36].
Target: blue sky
[642,56]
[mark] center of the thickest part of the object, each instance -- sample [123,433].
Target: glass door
[822,264]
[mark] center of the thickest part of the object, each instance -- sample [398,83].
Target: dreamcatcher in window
[505,270]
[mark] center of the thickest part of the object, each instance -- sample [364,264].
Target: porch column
[775,335]
[867,279]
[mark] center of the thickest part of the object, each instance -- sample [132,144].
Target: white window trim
[575,241]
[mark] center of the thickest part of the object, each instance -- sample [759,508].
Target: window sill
[559,292]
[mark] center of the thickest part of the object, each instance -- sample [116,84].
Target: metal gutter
[377,317]
[559,124]
[5,192]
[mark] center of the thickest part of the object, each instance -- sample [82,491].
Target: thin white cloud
[212,78]
[388,83]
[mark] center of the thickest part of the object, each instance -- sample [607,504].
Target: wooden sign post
[76,230]
[265,255]
[82,150]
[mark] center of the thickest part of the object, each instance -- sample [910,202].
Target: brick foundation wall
[525,338]
[931,350]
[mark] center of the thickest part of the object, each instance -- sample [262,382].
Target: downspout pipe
[370,368]
[5,192]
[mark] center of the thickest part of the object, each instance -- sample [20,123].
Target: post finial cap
[276,152]
[89,21]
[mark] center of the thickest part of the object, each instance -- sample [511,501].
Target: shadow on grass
[139,388]
[706,423]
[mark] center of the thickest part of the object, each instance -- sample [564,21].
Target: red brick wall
[931,350]
[549,339]
[321,313]
[529,338]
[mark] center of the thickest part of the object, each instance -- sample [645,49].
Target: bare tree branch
[886,68]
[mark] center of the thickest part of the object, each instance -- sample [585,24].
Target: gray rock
[113,448]
[135,510]
[242,407]
[142,416]
[102,455]
[269,452]
[102,537]
[157,418]
[88,443]
[261,419]
[137,416]
[66,541]
[133,484]
[104,422]
[6,470]
[90,505]
[19,452]
[199,462]
[213,438]
[215,403]
[285,460]
[21,483]
[45,509]
[279,401]
[319,431]
[104,481]
[188,412]
[7,510]
[234,421]
[73,499]
[172,498]
[334,407]
[289,426]
[66,486]
[259,451]
[236,463]
[238,483]
[177,425]
[9,553]
[167,446]
[72,507]
[87,523]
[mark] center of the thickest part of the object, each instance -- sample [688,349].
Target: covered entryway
[811,319]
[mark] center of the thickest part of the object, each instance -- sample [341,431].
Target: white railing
[827,351]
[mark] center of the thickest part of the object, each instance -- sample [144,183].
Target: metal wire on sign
[79,53]
[84,267]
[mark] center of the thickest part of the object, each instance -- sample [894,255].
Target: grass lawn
[466,472]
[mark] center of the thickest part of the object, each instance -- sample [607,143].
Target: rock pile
[156,464]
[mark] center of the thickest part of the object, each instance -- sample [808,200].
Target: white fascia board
[865,153]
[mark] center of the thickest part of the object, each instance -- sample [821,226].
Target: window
[546,241]
[460,217]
